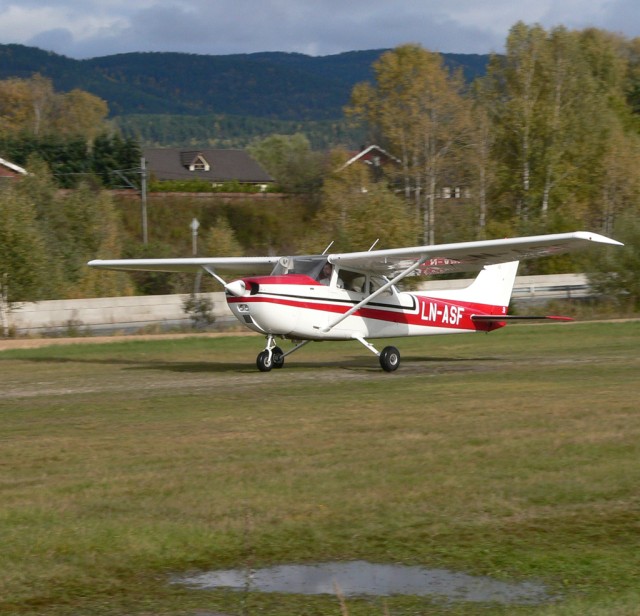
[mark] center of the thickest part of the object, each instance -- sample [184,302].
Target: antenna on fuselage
[372,245]
[327,248]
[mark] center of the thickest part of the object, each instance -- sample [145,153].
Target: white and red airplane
[353,296]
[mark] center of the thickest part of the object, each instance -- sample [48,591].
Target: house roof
[209,165]
[372,155]
[10,170]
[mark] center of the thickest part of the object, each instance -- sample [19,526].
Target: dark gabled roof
[223,165]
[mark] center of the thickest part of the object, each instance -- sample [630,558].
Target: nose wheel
[271,357]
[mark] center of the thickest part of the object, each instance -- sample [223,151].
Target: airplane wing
[221,265]
[436,259]
[466,256]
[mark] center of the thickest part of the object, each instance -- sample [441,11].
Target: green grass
[514,455]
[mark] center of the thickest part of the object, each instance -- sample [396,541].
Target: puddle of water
[364,578]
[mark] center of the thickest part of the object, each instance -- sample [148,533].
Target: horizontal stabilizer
[495,318]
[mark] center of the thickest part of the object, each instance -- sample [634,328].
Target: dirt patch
[37,343]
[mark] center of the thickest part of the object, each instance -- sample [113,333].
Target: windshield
[311,266]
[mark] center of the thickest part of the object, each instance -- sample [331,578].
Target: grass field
[514,455]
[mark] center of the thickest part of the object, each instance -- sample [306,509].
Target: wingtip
[596,237]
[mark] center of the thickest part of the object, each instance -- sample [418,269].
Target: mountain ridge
[270,85]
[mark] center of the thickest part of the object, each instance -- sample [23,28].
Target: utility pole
[143,199]
[4,304]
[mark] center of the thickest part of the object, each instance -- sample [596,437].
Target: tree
[416,109]
[32,106]
[88,228]
[80,113]
[616,273]
[14,106]
[480,160]
[104,158]
[556,100]
[290,160]
[220,240]
[24,263]
[619,181]
[357,211]
[71,158]
[75,228]
[515,87]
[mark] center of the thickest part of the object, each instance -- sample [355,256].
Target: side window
[352,281]
[375,282]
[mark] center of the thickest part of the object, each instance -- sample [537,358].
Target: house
[376,158]
[384,165]
[215,166]
[9,170]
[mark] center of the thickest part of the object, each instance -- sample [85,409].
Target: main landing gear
[389,356]
[273,356]
[390,359]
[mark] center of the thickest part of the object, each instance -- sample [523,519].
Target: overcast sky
[90,28]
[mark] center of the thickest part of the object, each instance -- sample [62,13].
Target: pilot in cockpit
[325,276]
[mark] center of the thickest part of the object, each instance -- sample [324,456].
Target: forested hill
[270,85]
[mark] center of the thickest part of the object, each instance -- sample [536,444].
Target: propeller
[237,288]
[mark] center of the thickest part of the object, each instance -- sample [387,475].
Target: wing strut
[210,270]
[375,294]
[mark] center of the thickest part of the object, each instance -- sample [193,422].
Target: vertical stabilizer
[493,286]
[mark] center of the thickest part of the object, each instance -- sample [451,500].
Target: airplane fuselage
[299,307]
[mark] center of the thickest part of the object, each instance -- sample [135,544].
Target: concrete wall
[133,313]
[126,313]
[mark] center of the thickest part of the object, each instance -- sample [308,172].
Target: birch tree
[517,87]
[416,109]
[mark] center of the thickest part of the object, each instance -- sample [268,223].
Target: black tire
[390,359]
[277,357]
[264,361]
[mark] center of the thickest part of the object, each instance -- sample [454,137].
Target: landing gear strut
[273,356]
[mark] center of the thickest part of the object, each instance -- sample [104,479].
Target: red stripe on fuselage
[425,311]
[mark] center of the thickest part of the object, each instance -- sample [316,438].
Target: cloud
[101,27]
[56,38]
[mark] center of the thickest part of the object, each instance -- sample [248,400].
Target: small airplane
[353,296]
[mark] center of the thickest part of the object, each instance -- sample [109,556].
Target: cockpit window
[350,280]
[310,266]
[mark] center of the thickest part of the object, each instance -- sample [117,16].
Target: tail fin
[493,286]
